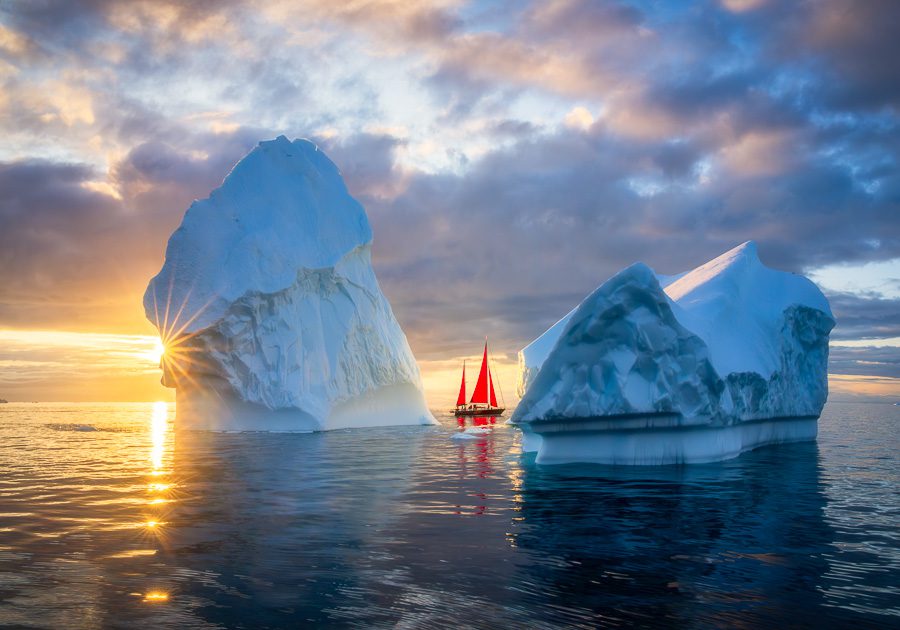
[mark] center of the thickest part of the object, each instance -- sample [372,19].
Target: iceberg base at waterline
[657,439]
[213,409]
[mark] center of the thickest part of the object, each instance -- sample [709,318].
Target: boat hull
[488,412]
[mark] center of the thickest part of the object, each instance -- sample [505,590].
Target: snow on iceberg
[696,368]
[269,309]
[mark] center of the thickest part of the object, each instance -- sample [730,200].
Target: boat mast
[490,384]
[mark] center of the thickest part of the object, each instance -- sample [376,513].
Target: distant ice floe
[471,433]
[692,368]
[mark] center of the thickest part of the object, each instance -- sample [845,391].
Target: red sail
[480,395]
[461,399]
[493,395]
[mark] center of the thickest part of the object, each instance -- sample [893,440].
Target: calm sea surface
[109,517]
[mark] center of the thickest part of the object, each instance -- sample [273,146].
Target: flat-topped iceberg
[269,309]
[696,368]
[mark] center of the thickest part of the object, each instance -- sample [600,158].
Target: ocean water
[109,518]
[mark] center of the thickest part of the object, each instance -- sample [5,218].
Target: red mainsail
[461,399]
[484,384]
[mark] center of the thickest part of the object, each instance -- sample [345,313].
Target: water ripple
[111,518]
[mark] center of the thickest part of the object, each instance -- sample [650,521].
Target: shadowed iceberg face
[268,302]
[624,352]
[728,357]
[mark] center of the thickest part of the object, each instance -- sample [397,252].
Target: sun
[152,350]
[156,354]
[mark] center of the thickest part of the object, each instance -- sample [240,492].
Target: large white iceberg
[269,309]
[693,368]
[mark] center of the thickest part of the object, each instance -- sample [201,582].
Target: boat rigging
[484,399]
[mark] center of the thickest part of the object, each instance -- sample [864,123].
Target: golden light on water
[159,425]
[154,528]
[158,490]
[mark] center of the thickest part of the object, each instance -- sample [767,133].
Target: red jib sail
[491,385]
[480,395]
[461,399]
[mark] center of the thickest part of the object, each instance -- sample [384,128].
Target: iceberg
[698,367]
[269,309]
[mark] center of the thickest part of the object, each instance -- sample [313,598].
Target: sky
[511,156]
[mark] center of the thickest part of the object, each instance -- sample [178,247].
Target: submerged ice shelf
[695,368]
[269,307]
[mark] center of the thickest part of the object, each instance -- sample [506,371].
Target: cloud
[856,46]
[563,140]
[517,239]
[368,161]
[159,177]
[865,361]
[49,365]
[65,249]
[78,246]
[740,6]
[865,317]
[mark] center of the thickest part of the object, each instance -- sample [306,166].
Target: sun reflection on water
[157,489]
[159,495]
[159,425]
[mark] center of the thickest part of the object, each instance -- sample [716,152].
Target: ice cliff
[699,367]
[269,309]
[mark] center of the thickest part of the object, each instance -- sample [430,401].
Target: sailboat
[484,400]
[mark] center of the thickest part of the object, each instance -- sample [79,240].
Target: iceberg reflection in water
[401,525]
